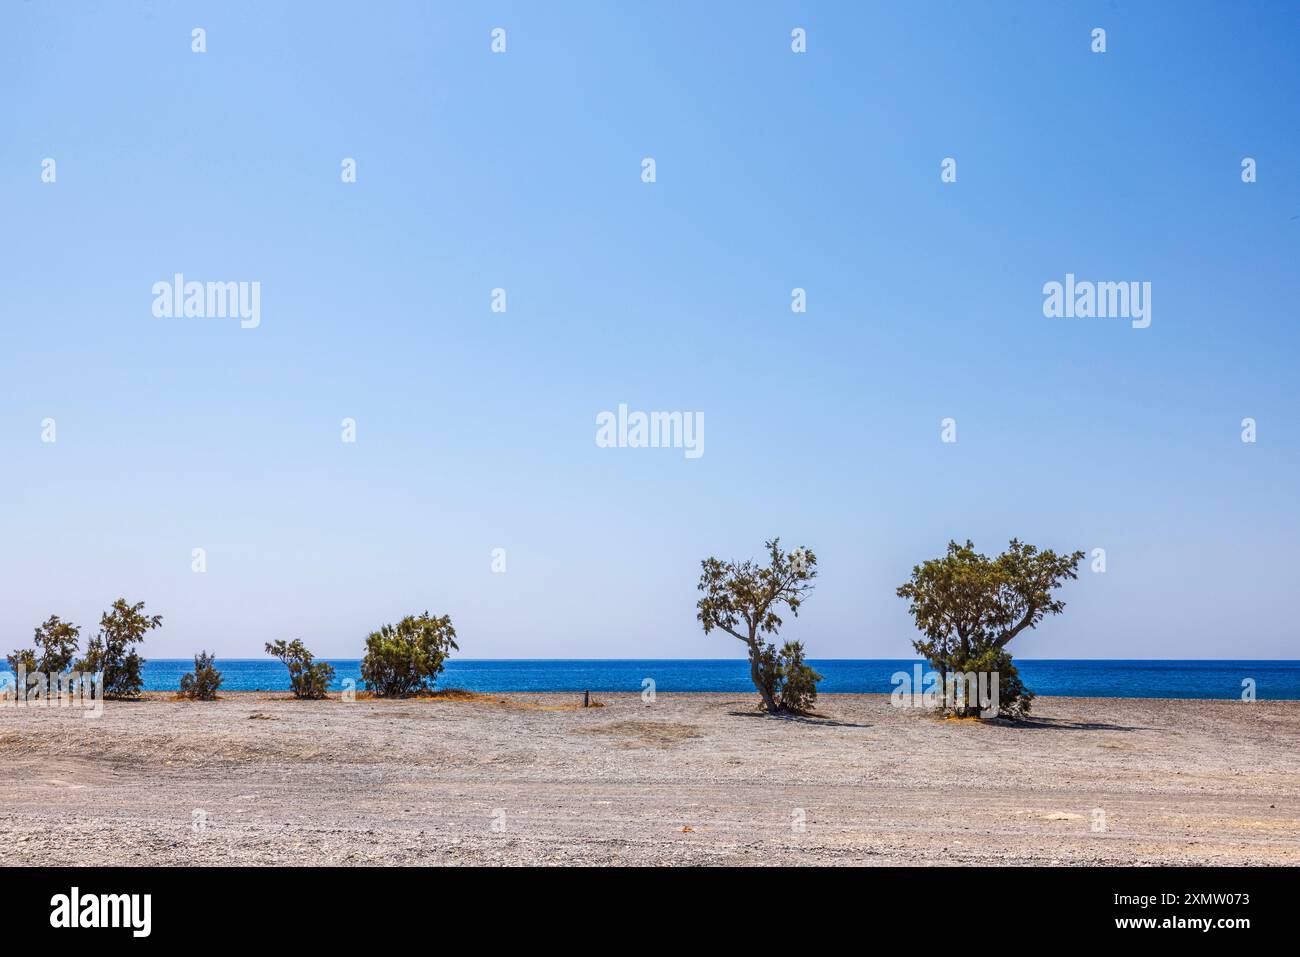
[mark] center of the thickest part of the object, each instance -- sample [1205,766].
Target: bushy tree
[406,658]
[798,680]
[55,648]
[202,683]
[742,599]
[969,607]
[112,651]
[308,678]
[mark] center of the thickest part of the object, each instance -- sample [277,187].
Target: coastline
[1220,679]
[692,778]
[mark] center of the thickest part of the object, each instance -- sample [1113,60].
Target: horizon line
[1017,658]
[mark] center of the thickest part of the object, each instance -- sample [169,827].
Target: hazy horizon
[477,430]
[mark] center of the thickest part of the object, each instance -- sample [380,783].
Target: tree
[202,683]
[111,652]
[742,599]
[406,658]
[55,648]
[969,607]
[308,678]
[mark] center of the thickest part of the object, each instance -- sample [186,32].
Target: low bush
[202,683]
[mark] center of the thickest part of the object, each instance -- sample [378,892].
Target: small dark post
[586,699]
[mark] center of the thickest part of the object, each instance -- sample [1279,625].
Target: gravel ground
[690,779]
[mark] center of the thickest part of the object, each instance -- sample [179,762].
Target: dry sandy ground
[689,779]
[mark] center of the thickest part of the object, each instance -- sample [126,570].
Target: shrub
[1014,699]
[407,658]
[202,683]
[782,677]
[308,678]
[798,680]
[111,652]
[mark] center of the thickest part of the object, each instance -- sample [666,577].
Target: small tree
[55,648]
[969,607]
[742,599]
[308,678]
[112,650]
[202,683]
[406,658]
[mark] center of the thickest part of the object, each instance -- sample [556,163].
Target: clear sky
[523,171]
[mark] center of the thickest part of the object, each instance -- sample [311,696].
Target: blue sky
[522,170]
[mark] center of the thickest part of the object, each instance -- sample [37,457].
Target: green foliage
[24,659]
[56,647]
[743,599]
[798,680]
[112,650]
[308,678]
[969,607]
[407,658]
[202,683]
[1013,697]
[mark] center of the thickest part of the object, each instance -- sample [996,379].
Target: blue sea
[1086,678]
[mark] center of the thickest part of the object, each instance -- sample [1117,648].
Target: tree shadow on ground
[820,720]
[1059,724]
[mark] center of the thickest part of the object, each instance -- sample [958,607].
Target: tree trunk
[769,702]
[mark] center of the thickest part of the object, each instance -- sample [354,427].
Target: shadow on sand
[794,718]
[1057,724]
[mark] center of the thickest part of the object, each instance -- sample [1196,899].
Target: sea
[1085,678]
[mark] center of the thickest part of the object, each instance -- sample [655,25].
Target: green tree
[969,607]
[308,678]
[55,648]
[112,651]
[406,658]
[202,683]
[742,599]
